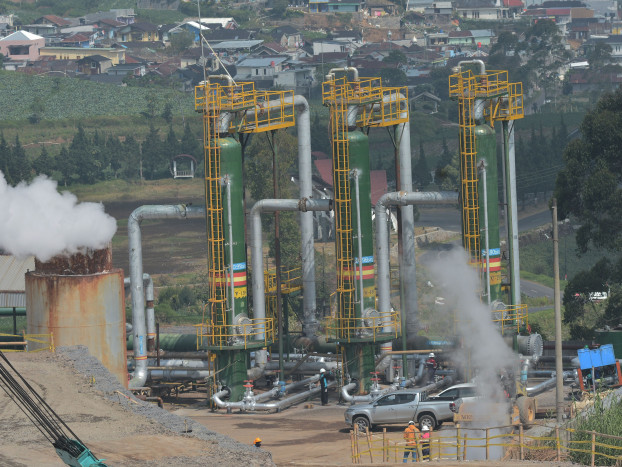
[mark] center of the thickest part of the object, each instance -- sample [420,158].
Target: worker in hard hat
[257,442]
[324,386]
[425,443]
[411,435]
[431,366]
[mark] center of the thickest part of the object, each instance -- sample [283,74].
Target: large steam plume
[483,348]
[39,221]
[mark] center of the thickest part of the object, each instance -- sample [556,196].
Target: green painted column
[361,362]
[486,144]
[233,363]
[359,160]
[231,166]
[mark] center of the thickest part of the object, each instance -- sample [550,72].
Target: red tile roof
[57,20]
[325,168]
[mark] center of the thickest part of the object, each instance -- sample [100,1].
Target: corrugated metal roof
[260,61]
[236,44]
[13,299]
[12,272]
[21,36]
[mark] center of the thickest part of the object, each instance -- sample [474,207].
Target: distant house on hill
[287,36]
[53,20]
[21,45]
[94,65]
[481,9]
[138,32]
[334,6]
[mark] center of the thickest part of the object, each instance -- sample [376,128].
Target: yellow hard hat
[257,440]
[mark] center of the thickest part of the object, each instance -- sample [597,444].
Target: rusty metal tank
[80,300]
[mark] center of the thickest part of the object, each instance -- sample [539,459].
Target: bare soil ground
[109,423]
[311,435]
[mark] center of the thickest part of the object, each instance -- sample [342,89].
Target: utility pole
[559,377]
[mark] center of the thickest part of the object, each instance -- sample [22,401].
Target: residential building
[323,46]
[117,56]
[94,64]
[438,10]
[260,67]
[53,20]
[334,6]
[481,9]
[138,32]
[287,36]
[124,69]
[22,45]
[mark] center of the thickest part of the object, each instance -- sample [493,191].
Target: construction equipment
[69,448]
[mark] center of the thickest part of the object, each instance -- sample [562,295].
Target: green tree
[21,167]
[590,185]
[167,113]
[600,55]
[393,77]
[421,170]
[132,162]
[180,42]
[5,159]
[190,143]
[279,8]
[65,167]
[395,56]
[153,155]
[44,164]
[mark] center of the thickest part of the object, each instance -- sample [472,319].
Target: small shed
[183,166]
[425,102]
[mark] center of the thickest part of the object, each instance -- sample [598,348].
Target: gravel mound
[227,451]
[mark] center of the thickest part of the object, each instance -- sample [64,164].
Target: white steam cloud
[39,221]
[483,348]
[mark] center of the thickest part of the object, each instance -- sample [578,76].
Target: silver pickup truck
[404,405]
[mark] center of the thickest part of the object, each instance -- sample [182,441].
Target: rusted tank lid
[88,261]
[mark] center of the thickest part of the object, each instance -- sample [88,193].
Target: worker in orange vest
[411,435]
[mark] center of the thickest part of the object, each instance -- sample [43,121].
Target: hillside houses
[118,47]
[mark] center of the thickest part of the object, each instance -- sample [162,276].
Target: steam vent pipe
[400,198]
[80,300]
[271,205]
[179,211]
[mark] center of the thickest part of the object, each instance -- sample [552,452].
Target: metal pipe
[482,65]
[305,180]
[180,211]
[354,71]
[549,383]
[303,368]
[400,198]
[559,390]
[346,396]
[355,175]
[150,313]
[482,167]
[512,210]
[269,205]
[252,405]
[226,180]
[172,374]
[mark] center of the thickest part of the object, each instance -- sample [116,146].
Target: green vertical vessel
[233,356]
[486,144]
[359,161]
[231,166]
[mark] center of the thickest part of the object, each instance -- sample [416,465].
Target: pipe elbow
[140,375]
[217,398]
[345,392]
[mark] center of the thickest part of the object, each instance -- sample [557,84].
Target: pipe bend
[217,398]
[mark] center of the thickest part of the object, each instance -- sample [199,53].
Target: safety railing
[491,443]
[273,110]
[378,325]
[244,334]
[392,109]
[26,342]
[291,280]
[512,316]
